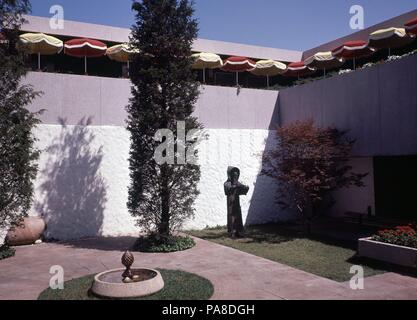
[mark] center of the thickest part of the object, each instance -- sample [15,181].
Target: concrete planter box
[402,256]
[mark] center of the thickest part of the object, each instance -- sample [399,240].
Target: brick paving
[234,274]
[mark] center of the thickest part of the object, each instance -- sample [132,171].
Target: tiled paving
[235,275]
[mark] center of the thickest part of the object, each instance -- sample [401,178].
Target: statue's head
[234,174]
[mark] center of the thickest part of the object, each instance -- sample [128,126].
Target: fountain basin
[109,284]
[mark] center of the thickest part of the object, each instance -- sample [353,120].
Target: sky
[286,24]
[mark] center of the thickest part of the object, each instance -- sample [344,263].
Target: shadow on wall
[263,206]
[73,190]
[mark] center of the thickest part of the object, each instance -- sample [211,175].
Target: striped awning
[324,60]
[389,38]
[411,26]
[269,68]
[83,47]
[40,43]
[206,60]
[353,50]
[238,64]
[298,69]
[121,52]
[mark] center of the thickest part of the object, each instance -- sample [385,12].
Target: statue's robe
[233,192]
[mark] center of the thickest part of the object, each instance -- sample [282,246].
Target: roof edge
[398,21]
[120,35]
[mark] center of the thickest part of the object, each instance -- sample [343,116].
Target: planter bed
[394,254]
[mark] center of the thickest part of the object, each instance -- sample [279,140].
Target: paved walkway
[235,274]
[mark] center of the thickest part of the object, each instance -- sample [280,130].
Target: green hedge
[6,252]
[158,244]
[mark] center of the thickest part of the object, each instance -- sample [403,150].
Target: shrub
[405,236]
[18,152]
[6,252]
[308,164]
[160,244]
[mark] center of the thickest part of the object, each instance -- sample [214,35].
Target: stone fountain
[127,282]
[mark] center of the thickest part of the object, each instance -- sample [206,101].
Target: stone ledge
[399,255]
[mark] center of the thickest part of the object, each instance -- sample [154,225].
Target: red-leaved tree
[308,164]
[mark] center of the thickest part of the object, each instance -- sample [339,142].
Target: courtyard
[139,161]
[235,275]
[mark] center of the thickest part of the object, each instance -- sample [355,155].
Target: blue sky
[288,24]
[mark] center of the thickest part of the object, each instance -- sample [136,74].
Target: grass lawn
[179,285]
[322,257]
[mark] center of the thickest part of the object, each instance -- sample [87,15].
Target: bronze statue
[233,190]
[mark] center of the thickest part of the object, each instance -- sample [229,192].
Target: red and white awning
[298,69]
[353,50]
[83,47]
[411,26]
[238,64]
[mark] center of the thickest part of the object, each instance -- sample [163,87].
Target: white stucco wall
[81,188]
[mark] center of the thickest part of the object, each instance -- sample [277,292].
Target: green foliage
[18,156]
[179,285]
[218,227]
[6,252]
[308,164]
[165,90]
[160,244]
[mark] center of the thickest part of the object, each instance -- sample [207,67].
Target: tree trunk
[164,227]
[309,226]
[308,212]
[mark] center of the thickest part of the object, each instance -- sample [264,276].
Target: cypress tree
[165,90]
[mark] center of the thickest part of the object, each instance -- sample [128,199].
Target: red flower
[400,230]
[405,229]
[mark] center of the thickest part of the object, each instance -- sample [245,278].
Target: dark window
[396,187]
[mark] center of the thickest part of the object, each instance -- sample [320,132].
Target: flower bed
[397,246]
[405,236]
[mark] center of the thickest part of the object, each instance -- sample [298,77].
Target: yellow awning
[40,43]
[269,68]
[205,60]
[324,60]
[121,52]
[387,33]
[389,38]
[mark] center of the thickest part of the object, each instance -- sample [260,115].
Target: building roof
[397,22]
[120,35]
